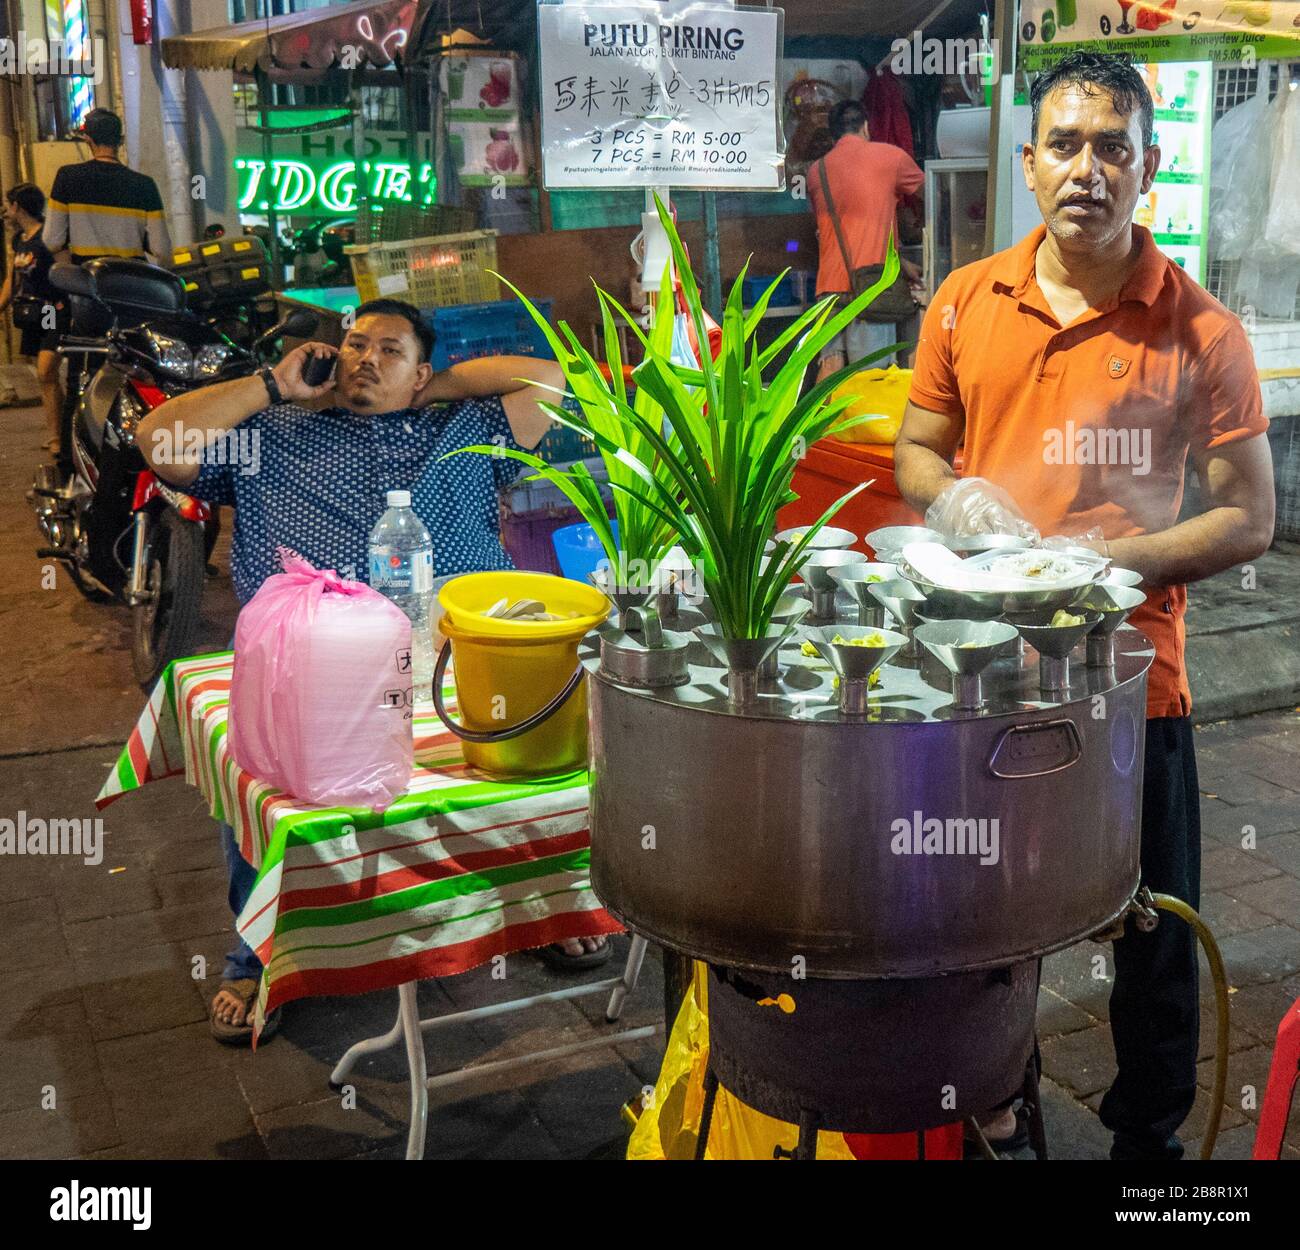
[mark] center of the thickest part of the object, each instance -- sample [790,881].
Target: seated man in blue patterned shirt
[315,482]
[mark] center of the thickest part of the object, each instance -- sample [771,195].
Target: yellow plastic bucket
[509,671]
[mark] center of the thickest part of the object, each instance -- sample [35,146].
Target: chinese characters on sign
[634,96]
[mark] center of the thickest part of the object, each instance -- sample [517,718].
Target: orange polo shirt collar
[1016,274]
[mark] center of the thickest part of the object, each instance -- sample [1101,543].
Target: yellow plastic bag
[879,393]
[669,1124]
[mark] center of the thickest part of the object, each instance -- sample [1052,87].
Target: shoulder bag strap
[835,220]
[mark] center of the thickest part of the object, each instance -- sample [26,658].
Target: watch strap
[273,392]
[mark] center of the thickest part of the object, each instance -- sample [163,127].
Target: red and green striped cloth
[461,868]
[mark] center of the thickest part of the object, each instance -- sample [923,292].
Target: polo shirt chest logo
[1117,366]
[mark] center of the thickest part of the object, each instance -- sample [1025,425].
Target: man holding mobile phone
[315,481]
[386,420]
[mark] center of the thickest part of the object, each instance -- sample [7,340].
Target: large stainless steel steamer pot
[766,839]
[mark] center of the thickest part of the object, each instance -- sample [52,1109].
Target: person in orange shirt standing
[1082,369]
[866,182]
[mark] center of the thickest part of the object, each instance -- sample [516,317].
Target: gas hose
[1166,902]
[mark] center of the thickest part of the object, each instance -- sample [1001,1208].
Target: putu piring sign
[637,95]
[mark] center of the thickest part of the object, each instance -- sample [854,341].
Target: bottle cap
[399,498]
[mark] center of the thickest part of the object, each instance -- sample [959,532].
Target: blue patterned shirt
[315,482]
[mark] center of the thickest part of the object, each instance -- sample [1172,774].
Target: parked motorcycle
[123,534]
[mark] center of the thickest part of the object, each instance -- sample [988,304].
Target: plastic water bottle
[401,567]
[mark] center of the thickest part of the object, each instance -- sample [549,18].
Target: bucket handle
[496,735]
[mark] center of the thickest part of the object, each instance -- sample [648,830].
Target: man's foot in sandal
[575,954]
[230,1017]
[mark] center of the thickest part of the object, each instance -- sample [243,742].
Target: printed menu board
[636,94]
[1234,31]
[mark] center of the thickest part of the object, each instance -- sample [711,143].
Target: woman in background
[38,310]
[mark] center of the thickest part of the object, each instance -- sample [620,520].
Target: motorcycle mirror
[299,324]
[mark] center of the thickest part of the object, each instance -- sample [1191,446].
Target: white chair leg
[632,970]
[410,1019]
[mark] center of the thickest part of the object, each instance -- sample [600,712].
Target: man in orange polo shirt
[1081,369]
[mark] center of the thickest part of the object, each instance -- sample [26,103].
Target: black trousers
[1154,1007]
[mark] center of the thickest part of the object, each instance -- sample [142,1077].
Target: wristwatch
[272,386]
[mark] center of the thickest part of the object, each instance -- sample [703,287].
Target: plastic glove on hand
[976,506]
[1092,538]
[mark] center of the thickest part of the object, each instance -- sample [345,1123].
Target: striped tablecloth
[460,869]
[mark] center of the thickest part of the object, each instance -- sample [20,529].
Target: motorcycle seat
[137,285]
[133,289]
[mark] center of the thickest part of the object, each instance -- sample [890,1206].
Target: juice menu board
[1176,210]
[1159,30]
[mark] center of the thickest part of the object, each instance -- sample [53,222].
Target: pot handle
[644,621]
[1036,750]
[496,735]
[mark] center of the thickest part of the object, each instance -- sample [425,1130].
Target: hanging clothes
[887,116]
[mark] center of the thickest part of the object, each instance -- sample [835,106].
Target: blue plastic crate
[560,445]
[499,328]
[532,511]
[529,498]
[756,284]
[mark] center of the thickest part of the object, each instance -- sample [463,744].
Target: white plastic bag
[1282,222]
[1267,283]
[1240,156]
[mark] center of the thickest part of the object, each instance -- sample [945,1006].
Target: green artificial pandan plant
[703,454]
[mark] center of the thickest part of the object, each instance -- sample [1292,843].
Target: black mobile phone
[318,369]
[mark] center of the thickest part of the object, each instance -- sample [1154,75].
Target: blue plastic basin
[579,551]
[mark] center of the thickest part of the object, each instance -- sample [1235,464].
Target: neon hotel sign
[298,186]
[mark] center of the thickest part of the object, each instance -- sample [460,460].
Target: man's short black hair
[847,118]
[422,330]
[103,128]
[1114,74]
[29,197]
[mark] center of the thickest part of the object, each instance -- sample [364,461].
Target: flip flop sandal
[244,989]
[561,962]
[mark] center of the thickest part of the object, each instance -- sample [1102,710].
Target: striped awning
[315,39]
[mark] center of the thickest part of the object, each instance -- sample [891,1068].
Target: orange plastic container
[830,469]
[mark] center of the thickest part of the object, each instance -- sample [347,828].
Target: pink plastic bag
[320,698]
